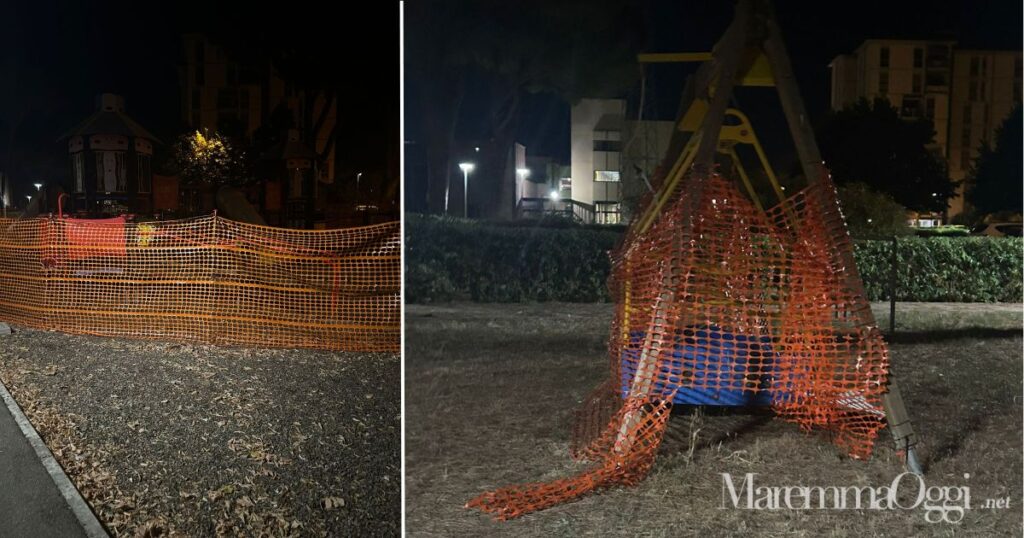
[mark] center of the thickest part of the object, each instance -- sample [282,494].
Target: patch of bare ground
[491,389]
[189,440]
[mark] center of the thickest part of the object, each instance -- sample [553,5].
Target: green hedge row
[450,259]
[958,269]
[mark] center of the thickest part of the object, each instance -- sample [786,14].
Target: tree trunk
[441,104]
[505,123]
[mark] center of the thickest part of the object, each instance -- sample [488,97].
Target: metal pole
[892,289]
[465,193]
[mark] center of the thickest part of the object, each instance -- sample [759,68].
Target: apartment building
[965,93]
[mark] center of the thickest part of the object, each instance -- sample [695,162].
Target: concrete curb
[78,506]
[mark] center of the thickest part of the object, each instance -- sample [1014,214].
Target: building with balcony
[986,85]
[611,156]
[964,93]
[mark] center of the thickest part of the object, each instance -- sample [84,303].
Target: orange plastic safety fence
[207,279]
[719,303]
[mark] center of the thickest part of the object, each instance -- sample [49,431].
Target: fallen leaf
[330,503]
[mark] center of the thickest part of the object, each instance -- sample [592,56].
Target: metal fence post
[892,289]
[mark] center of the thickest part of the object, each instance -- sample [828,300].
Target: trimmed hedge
[453,259]
[957,269]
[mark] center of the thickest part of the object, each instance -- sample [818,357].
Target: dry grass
[172,439]
[490,392]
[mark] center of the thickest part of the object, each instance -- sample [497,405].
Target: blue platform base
[737,365]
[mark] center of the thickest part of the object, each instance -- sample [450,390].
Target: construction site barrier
[720,303]
[206,279]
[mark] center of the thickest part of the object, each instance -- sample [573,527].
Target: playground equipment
[722,301]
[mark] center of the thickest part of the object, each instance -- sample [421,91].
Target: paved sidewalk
[30,502]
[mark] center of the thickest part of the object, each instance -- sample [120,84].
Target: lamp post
[358,175]
[39,186]
[466,169]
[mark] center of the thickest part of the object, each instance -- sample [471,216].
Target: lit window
[606,175]
[111,174]
[607,212]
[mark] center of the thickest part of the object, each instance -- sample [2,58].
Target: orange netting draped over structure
[720,303]
[206,279]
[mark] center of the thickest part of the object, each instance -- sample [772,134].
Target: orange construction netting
[719,303]
[206,279]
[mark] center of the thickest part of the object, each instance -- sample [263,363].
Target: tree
[996,176]
[870,143]
[871,214]
[203,157]
[325,66]
[500,51]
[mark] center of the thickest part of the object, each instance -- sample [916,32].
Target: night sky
[815,33]
[57,56]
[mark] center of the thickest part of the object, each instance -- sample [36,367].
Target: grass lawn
[490,391]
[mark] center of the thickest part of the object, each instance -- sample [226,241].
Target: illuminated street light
[554,196]
[466,169]
[523,172]
[39,186]
[358,175]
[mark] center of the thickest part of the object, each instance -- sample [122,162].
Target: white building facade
[611,156]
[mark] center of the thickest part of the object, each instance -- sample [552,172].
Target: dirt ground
[490,391]
[191,440]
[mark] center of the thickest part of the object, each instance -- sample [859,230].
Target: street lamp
[39,186]
[466,169]
[358,175]
[523,172]
[554,195]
